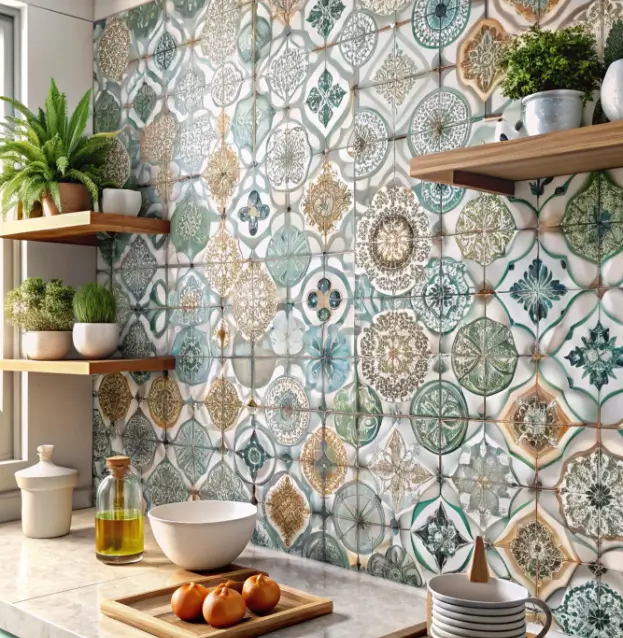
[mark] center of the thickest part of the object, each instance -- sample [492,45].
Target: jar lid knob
[118,461]
[45,452]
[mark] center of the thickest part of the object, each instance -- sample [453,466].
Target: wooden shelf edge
[80,227]
[87,367]
[495,167]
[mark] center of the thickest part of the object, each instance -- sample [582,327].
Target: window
[9,259]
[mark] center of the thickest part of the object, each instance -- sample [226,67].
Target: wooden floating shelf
[86,367]
[496,167]
[80,228]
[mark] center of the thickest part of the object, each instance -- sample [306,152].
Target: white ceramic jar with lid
[47,491]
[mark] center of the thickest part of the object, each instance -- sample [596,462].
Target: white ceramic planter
[612,92]
[47,490]
[46,345]
[549,111]
[96,340]
[121,201]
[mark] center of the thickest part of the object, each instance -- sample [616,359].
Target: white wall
[105,8]
[76,8]
[58,409]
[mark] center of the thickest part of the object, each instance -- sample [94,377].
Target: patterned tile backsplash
[388,368]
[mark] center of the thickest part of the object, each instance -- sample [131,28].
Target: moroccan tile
[392,561]
[186,18]
[583,598]
[450,50]
[323,545]
[499,384]
[221,482]
[441,121]
[405,94]
[402,468]
[536,425]
[323,20]
[441,535]
[146,25]
[286,507]
[580,451]
[143,336]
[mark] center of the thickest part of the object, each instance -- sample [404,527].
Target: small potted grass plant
[95,332]
[44,312]
[612,86]
[553,73]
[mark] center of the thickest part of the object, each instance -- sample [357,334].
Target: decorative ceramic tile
[387,367]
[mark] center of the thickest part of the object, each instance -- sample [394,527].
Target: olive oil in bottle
[119,517]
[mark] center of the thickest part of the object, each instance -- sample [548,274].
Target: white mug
[466,609]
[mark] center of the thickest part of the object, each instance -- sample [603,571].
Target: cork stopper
[118,461]
[118,465]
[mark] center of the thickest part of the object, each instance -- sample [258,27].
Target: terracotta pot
[35,211]
[74,198]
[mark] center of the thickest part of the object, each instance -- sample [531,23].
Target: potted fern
[612,86]
[44,312]
[95,332]
[553,73]
[47,159]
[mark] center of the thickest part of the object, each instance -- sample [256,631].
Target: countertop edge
[20,622]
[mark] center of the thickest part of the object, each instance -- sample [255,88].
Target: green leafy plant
[40,151]
[37,305]
[95,304]
[540,60]
[613,50]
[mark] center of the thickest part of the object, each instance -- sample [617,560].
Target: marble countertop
[53,588]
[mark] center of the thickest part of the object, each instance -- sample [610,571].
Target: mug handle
[548,615]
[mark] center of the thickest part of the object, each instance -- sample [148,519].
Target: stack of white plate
[462,609]
[452,621]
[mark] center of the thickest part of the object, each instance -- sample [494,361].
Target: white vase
[612,92]
[46,345]
[121,201]
[96,340]
[47,489]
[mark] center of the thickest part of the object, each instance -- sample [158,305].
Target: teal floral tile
[221,482]
[193,449]
[146,25]
[140,440]
[165,484]
[441,536]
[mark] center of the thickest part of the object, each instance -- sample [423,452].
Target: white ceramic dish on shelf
[202,535]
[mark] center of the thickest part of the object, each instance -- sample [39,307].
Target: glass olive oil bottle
[119,515]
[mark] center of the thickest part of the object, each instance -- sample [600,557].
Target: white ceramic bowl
[201,535]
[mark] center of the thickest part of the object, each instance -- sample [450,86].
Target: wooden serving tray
[151,611]
[419,631]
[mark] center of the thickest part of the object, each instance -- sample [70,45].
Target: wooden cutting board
[151,611]
[419,631]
